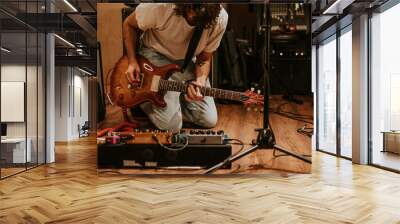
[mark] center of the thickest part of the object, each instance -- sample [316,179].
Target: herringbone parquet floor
[71,191]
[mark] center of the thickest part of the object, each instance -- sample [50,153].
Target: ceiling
[72,20]
[39,6]
[75,21]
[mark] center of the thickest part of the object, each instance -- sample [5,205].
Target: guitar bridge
[141,75]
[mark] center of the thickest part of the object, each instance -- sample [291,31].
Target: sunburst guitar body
[154,82]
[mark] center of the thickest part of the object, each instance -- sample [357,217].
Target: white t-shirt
[170,34]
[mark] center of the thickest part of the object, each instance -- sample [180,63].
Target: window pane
[23,89]
[41,98]
[346,94]
[31,97]
[327,96]
[385,84]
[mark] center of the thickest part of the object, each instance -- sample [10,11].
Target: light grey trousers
[202,113]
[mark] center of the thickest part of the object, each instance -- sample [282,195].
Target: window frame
[381,9]
[31,30]
[336,35]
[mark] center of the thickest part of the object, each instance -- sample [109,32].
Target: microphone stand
[265,138]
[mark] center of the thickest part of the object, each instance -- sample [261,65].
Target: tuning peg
[252,89]
[258,91]
[262,109]
[255,109]
[248,108]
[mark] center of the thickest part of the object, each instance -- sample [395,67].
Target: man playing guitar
[167,31]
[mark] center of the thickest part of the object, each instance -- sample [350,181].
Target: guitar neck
[168,85]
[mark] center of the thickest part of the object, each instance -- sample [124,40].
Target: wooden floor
[238,122]
[386,159]
[8,171]
[72,191]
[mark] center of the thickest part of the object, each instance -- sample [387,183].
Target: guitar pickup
[154,83]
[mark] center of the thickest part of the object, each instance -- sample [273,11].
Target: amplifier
[154,156]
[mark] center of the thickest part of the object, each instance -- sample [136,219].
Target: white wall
[16,73]
[61,103]
[71,102]
[81,112]
[10,73]
[33,127]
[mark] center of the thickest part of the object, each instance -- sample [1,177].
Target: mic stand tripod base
[265,140]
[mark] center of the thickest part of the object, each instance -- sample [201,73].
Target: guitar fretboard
[167,85]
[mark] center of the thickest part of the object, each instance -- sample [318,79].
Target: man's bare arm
[202,70]
[130,32]
[203,66]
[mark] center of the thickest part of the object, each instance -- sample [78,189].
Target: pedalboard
[157,149]
[118,156]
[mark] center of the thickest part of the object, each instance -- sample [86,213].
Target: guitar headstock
[253,100]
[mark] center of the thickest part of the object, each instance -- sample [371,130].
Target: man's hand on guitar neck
[193,92]
[202,68]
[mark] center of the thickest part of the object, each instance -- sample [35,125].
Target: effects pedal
[200,137]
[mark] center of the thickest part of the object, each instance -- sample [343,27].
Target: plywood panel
[109,34]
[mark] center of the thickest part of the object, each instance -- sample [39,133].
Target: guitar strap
[194,41]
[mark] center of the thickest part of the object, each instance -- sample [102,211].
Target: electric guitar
[154,83]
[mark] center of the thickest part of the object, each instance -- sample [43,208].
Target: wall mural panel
[192,126]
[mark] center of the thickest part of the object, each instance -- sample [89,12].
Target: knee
[173,124]
[162,118]
[208,120]
[174,127]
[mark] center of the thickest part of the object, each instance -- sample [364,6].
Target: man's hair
[206,14]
